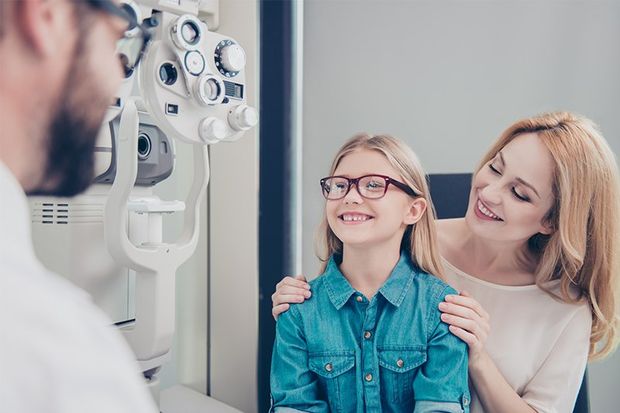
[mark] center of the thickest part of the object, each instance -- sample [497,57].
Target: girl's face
[512,193]
[358,221]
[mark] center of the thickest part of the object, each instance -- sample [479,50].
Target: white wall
[224,269]
[234,235]
[448,77]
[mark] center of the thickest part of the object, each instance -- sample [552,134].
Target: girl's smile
[354,218]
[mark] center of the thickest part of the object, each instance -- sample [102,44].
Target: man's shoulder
[55,338]
[51,311]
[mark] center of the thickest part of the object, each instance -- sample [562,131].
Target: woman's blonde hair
[420,239]
[583,249]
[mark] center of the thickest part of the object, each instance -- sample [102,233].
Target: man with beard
[59,70]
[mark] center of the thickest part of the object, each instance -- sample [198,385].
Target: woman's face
[369,222]
[512,194]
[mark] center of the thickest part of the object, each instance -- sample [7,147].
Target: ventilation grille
[63,213]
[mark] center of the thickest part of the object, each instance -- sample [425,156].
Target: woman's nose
[491,193]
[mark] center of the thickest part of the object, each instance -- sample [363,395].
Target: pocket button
[465,400]
[329,367]
[400,363]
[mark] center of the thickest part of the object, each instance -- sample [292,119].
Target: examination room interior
[445,76]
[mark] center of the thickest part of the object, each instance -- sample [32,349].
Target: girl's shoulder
[434,287]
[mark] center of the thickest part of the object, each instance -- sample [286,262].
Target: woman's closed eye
[519,196]
[514,191]
[494,169]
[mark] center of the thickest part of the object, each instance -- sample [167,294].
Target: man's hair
[2,17]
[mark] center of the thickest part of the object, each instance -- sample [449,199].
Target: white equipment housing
[109,241]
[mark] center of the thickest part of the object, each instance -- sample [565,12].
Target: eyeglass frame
[109,7]
[355,181]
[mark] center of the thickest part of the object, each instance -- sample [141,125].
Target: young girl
[371,339]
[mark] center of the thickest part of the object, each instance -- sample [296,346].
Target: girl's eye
[339,186]
[374,185]
[519,196]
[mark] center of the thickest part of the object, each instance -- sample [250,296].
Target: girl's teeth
[354,218]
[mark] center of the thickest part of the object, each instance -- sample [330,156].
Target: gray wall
[448,77]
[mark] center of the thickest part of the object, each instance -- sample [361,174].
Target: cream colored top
[539,344]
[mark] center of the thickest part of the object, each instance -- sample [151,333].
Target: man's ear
[41,24]
[417,207]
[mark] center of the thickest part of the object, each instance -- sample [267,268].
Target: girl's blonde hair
[420,239]
[583,249]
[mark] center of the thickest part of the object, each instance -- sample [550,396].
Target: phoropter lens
[190,33]
[168,74]
[144,146]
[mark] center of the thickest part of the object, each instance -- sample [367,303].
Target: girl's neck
[367,269]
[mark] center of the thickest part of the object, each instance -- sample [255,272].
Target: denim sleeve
[442,379]
[293,385]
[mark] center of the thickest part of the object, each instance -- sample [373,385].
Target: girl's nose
[353,196]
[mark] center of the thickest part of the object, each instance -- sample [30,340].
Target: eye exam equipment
[188,89]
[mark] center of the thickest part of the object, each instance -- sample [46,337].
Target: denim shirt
[339,352]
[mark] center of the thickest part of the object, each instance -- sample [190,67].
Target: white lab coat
[58,351]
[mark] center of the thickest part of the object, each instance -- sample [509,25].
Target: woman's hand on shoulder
[468,321]
[288,291]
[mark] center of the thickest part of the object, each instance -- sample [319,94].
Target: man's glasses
[133,44]
[368,186]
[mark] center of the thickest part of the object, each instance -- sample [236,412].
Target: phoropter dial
[186,32]
[229,58]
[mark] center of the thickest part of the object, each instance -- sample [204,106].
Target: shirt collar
[394,289]
[14,211]
[396,286]
[338,288]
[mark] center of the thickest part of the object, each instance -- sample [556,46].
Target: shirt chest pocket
[398,367]
[336,375]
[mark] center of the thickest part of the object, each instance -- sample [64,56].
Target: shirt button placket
[371,386]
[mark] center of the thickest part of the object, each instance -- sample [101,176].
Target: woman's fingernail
[307,294]
[442,305]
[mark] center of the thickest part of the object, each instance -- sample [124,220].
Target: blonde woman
[344,350]
[535,260]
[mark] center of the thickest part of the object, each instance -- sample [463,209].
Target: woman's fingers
[480,330]
[467,337]
[458,310]
[464,323]
[279,309]
[290,290]
[278,299]
[298,281]
[467,301]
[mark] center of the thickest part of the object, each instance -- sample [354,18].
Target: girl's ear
[417,207]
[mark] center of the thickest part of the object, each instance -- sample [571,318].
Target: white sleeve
[555,386]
